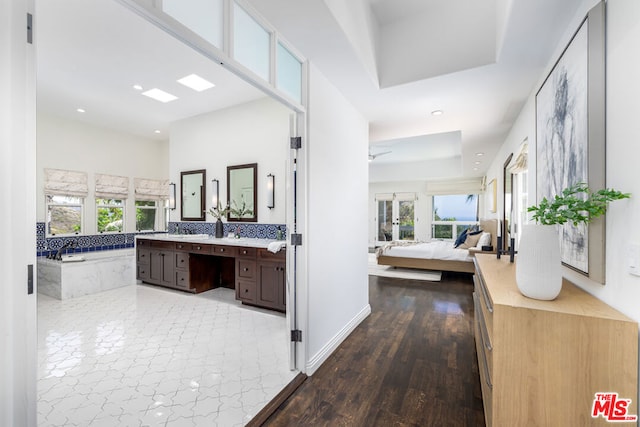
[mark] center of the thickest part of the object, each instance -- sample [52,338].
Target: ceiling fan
[372,156]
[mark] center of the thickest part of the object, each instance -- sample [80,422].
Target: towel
[276,246]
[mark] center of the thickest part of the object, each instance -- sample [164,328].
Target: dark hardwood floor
[412,362]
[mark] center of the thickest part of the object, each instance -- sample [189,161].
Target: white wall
[621,290]
[73,145]
[255,132]
[18,345]
[336,235]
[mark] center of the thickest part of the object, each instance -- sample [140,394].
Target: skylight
[196,82]
[160,95]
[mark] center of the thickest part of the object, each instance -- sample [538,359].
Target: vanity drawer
[161,245]
[143,243]
[200,248]
[182,260]
[229,251]
[246,252]
[143,272]
[245,269]
[281,255]
[246,291]
[182,246]
[182,279]
[142,256]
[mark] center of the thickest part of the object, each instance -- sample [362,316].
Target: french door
[396,217]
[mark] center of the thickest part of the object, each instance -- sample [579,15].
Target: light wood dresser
[542,362]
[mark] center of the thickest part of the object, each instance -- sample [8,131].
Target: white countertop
[205,238]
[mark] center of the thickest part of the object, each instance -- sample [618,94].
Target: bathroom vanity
[197,264]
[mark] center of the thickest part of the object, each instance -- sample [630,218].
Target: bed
[436,255]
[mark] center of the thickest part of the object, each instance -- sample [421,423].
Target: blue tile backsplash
[102,242]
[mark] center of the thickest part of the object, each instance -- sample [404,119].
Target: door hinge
[296,142]
[296,335]
[296,239]
[29,28]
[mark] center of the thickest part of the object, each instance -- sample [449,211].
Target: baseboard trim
[319,358]
[264,414]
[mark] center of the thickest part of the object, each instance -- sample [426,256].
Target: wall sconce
[172,196]
[270,191]
[215,190]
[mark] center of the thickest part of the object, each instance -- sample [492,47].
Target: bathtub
[86,273]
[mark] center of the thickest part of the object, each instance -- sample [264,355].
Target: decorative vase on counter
[538,266]
[219,229]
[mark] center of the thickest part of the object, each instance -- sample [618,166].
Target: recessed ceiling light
[196,82]
[137,87]
[475,169]
[437,113]
[479,154]
[160,95]
[477,162]
[157,131]
[80,110]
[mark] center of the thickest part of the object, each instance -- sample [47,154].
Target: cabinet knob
[245,269]
[246,290]
[198,247]
[221,249]
[244,252]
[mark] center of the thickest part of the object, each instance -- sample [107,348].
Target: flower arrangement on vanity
[218,213]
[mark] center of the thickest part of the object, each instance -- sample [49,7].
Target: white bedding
[437,249]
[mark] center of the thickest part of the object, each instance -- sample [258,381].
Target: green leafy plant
[239,211]
[218,212]
[577,204]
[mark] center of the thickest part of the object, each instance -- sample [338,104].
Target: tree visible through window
[110,215]
[146,215]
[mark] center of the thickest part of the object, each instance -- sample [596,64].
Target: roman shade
[151,189]
[59,182]
[111,187]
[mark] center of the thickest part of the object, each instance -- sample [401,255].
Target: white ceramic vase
[538,265]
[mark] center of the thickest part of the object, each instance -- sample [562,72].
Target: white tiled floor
[146,356]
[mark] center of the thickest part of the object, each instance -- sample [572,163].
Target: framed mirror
[242,182]
[507,204]
[193,190]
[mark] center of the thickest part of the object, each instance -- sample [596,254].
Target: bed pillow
[485,240]
[461,238]
[472,241]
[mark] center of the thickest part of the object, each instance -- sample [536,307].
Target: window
[146,213]
[64,214]
[110,215]
[452,214]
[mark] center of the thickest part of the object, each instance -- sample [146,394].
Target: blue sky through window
[456,206]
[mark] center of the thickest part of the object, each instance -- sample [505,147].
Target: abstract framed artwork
[570,137]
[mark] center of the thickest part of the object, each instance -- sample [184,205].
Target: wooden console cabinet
[542,362]
[257,275]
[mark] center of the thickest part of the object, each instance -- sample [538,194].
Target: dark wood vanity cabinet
[271,292]
[257,275]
